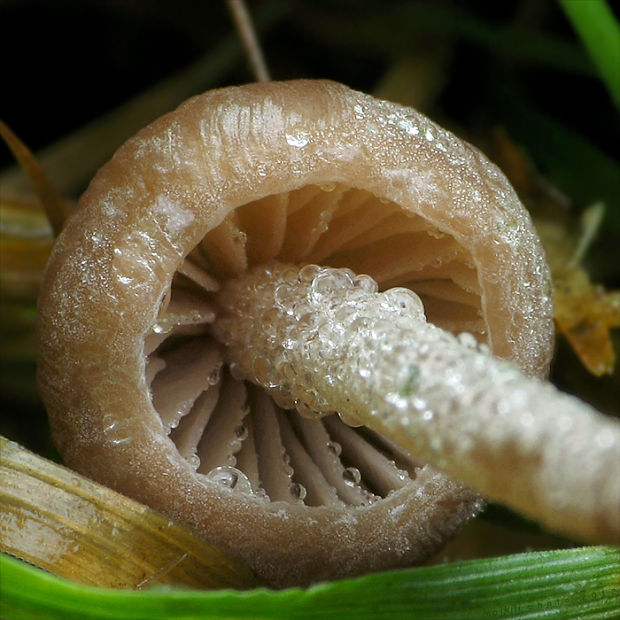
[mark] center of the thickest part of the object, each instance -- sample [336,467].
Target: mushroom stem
[324,340]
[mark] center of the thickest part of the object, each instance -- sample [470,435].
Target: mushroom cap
[184,176]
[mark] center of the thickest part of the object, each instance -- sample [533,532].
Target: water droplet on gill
[334,447]
[327,187]
[298,491]
[236,372]
[214,376]
[230,477]
[351,476]
[241,432]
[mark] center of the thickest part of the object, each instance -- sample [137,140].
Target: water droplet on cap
[299,139]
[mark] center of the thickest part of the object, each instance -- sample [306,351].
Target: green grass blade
[596,25]
[578,583]
[570,161]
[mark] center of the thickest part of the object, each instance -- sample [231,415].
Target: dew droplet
[241,432]
[405,301]
[299,139]
[224,475]
[351,476]
[408,126]
[230,477]
[308,272]
[194,461]
[109,423]
[121,441]
[297,491]
[328,282]
[214,376]
[334,447]
[282,295]
[366,283]
[236,372]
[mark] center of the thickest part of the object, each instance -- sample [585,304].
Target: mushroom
[144,398]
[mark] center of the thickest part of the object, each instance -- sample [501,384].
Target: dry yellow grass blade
[75,528]
[55,206]
[25,244]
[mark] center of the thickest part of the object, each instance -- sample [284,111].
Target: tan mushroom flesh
[306,171]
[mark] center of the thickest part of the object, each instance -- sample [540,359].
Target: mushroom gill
[233,432]
[137,389]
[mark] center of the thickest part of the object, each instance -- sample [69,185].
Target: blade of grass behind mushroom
[64,523]
[55,207]
[573,583]
[599,31]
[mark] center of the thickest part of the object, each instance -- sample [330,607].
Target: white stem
[325,340]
